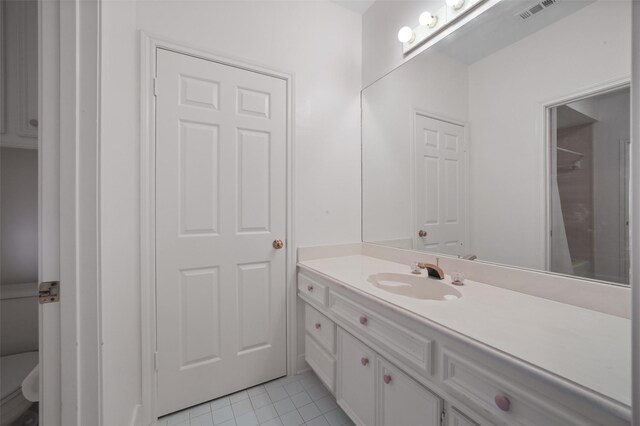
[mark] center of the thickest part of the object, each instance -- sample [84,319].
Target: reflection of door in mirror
[440,186]
[589,186]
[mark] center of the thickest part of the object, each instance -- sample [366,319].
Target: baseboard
[135,416]
[301,364]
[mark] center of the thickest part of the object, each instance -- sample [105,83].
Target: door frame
[412,170]
[148,71]
[545,120]
[69,199]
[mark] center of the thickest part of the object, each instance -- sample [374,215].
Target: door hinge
[155,86]
[49,292]
[155,361]
[443,418]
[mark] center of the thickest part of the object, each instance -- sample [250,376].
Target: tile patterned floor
[290,401]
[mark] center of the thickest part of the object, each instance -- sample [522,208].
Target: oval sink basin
[415,287]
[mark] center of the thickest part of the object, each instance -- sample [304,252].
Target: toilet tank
[18,318]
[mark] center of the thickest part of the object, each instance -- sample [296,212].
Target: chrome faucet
[469,257]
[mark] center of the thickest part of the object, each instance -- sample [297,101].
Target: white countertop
[588,348]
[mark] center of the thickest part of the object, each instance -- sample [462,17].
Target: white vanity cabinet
[389,368]
[356,380]
[402,401]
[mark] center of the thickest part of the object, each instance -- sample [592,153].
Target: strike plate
[49,292]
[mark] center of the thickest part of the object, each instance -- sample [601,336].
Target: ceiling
[358,6]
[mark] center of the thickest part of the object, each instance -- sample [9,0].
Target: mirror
[508,140]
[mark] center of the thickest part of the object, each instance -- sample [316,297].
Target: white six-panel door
[440,186]
[220,204]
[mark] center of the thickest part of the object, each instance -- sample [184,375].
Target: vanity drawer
[409,347]
[313,289]
[321,328]
[322,363]
[456,418]
[510,403]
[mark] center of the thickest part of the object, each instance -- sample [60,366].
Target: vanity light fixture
[406,35]
[455,4]
[428,20]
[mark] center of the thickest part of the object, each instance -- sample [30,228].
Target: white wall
[432,83]
[319,43]
[507,205]
[18,215]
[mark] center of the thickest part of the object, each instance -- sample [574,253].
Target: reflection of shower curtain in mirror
[559,256]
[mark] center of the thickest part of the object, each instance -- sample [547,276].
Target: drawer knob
[310,287]
[386,378]
[363,320]
[318,325]
[503,403]
[364,361]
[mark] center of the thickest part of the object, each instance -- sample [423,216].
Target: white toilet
[19,356]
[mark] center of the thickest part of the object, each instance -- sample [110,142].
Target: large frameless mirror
[508,141]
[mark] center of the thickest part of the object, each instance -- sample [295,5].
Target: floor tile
[336,417]
[277,393]
[266,413]
[231,422]
[239,408]
[326,404]
[178,417]
[247,419]
[203,420]
[256,390]
[219,403]
[317,392]
[292,419]
[294,388]
[309,411]
[238,396]
[221,415]
[199,410]
[310,382]
[273,422]
[260,401]
[284,406]
[318,421]
[301,399]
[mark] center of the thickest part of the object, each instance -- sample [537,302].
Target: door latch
[49,292]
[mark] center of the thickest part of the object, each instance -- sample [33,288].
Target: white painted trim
[635,210]
[49,208]
[149,46]
[3,71]
[544,117]
[412,170]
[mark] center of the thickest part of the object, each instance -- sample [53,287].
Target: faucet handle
[415,268]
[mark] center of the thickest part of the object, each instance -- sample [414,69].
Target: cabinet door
[355,390]
[402,401]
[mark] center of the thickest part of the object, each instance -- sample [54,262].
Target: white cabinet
[389,370]
[355,384]
[19,74]
[403,402]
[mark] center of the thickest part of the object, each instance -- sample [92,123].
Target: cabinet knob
[318,325]
[422,233]
[386,378]
[278,244]
[364,361]
[310,287]
[363,320]
[502,401]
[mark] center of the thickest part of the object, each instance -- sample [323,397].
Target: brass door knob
[422,233]
[278,244]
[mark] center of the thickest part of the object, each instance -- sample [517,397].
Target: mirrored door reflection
[589,141]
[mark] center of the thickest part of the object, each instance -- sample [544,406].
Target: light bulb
[456,4]
[427,19]
[406,35]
